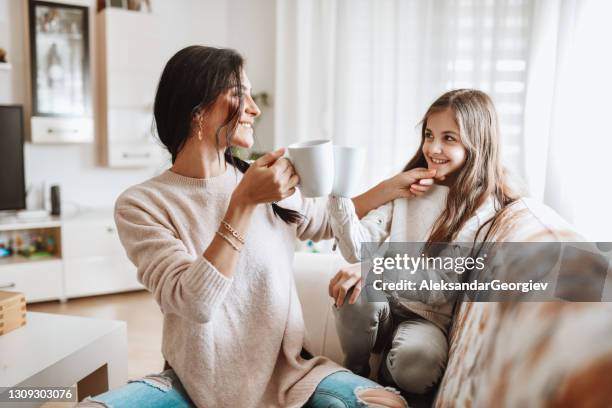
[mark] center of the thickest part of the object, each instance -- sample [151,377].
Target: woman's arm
[181,283]
[220,253]
[267,179]
[184,284]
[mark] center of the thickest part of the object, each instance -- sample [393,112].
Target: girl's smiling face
[442,146]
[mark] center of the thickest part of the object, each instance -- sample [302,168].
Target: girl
[459,141]
[216,252]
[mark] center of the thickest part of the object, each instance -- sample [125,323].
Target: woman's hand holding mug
[270,178]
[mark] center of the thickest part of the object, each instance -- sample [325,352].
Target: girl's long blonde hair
[481,175]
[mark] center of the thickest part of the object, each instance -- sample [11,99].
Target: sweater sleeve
[180,283]
[315,220]
[350,232]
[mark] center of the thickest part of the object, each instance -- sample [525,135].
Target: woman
[216,250]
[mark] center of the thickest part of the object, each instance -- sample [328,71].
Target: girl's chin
[440,168]
[441,172]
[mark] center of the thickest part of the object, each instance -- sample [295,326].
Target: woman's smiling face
[244,133]
[243,136]
[442,146]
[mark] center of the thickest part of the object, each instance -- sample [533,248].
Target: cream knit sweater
[233,342]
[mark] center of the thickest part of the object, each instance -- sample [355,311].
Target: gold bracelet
[229,241]
[232,231]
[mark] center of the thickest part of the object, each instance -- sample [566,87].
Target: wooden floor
[138,309]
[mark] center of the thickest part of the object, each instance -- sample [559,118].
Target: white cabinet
[87,260]
[38,280]
[94,260]
[38,277]
[61,130]
[59,77]
[130,65]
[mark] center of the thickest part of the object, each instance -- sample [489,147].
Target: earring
[200,132]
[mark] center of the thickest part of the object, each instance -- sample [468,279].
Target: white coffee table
[54,350]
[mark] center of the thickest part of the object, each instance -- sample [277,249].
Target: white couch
[312,275]
[501,354]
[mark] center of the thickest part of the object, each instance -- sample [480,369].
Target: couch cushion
[529,354]
[556,354]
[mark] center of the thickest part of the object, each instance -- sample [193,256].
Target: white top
[408,220]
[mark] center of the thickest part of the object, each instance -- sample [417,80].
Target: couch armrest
[312,274]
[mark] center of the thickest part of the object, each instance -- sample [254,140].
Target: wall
[252,30]
[184,22]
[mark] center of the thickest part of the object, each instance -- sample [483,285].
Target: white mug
[314,163]
[348,166]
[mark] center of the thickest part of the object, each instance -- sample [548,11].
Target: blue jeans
[337,390]
[164,390]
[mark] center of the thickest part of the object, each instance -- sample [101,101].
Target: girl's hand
[270,178]
[346,279]
[412,183]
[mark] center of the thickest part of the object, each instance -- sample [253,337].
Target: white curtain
[568,136]
[363,72]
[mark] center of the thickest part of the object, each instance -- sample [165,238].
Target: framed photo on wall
[59,50]
[61,97]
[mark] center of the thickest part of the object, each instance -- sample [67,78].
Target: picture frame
[60,61]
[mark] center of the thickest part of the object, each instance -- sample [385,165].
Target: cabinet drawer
[62,130]
[97,275]
[40,280]
[135,155]
[91,238]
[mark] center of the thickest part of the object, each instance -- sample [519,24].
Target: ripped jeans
[338,390]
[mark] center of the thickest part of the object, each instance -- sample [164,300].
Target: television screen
[12,183]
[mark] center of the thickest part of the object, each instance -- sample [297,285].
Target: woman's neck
[199,161]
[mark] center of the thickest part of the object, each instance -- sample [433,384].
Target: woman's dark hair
[189,85]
